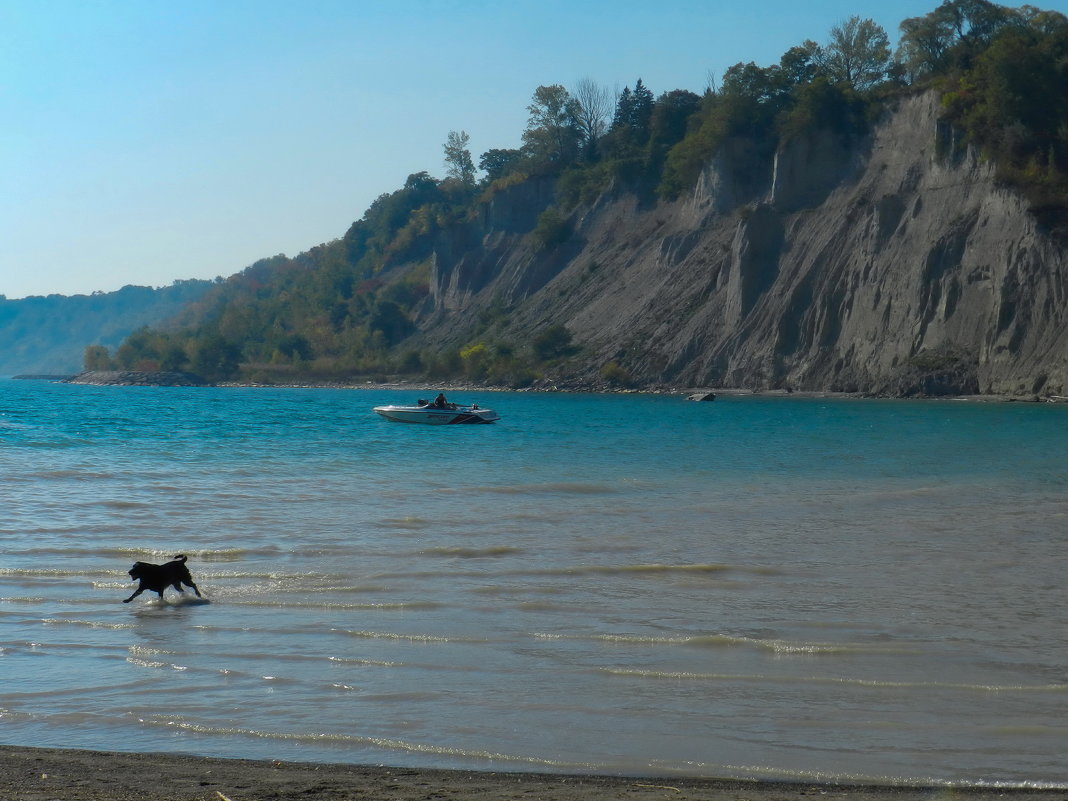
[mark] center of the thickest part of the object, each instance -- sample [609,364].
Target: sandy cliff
[891,264]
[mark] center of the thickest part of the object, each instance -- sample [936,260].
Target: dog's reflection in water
[157,578]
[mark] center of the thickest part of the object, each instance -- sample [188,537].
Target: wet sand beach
[36,774]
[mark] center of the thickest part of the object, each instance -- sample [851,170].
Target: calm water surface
[767,587]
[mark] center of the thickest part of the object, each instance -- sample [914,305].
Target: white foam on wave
[90,624]
[732,640]
[169,602]
[392,635]
[875,684]
[383,743]
[194,554]
[349,660]
[52,572]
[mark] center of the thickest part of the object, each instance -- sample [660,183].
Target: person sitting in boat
[440,402]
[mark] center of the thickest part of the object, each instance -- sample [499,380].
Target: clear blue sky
[143,141]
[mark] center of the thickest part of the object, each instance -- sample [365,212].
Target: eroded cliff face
[892,264]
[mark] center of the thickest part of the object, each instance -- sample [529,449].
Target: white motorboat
[437,414]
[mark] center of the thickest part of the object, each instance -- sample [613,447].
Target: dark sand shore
[40,774]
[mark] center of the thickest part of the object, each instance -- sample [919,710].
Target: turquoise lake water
[768,587]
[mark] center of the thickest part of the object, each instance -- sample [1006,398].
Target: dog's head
[138,570]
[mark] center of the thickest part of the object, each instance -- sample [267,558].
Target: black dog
[159,577]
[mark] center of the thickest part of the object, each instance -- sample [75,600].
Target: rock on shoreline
[136,378]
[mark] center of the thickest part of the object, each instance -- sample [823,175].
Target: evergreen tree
[630,128]
[641,113]
[624,107]
[633,112]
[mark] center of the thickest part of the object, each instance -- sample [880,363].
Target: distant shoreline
[42,377]
[131,378]
[49,774]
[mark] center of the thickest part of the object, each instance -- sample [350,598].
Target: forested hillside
[50,334]
[491,273]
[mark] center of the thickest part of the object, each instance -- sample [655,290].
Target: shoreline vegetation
[177,379]
[50,774]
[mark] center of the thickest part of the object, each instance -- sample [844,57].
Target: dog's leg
[137,592]
[195,589]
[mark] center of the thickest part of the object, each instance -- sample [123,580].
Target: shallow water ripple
[783,588]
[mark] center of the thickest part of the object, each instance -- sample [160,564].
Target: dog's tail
[181,557]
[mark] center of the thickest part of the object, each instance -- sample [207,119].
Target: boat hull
[430,415]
